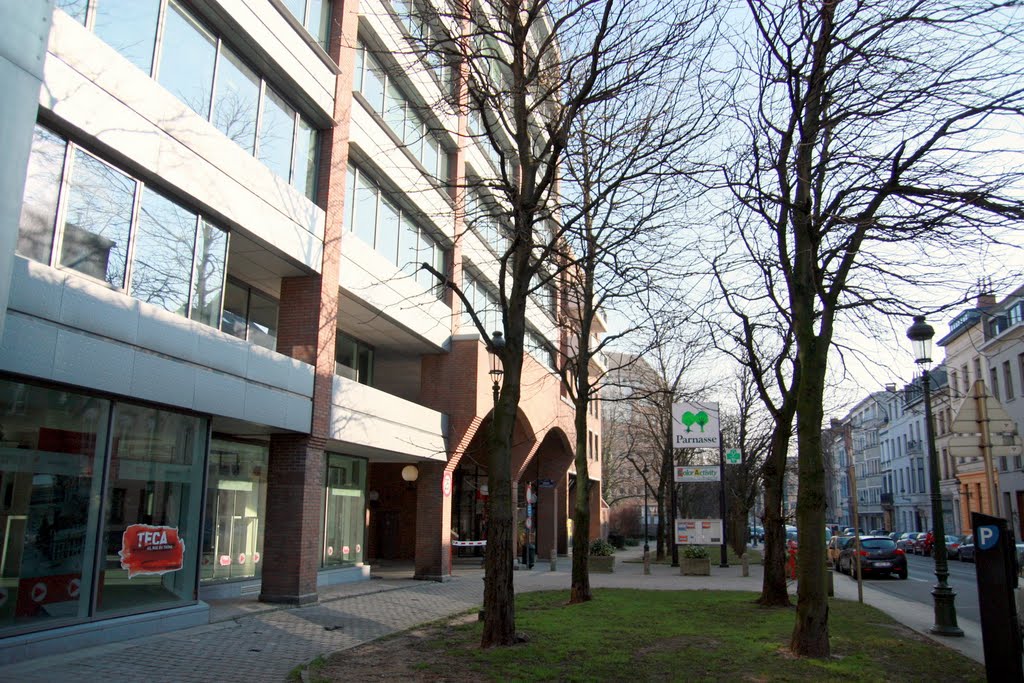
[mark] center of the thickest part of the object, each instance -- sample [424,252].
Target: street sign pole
[721,502]
[675,487]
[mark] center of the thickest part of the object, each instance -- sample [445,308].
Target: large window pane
[151,521]
[75,8]
[234,319]
[439,266]
[42,186]
[277,133]
[319,21]
[350,197]
[236,496]
[373,83]
[97,220]
[187,61]
[305,159]
[209,274]
[297,8]
[344,516]
[263,320]
[51,455]
[129,26]
[237,100]
[426,255]
[366,209]
[430,155]
[394,110]
[162,261]
[409,244]
[388,229]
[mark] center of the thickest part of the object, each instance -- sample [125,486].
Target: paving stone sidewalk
[251,642]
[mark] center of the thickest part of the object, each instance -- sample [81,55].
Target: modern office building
[222,372]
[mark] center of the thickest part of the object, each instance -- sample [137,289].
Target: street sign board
[698,531]
[733,457]
[695,425]
[702,473]
[546,483]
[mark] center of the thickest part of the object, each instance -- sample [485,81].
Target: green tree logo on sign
[689,419]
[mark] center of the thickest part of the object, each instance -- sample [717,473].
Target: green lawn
[687,635]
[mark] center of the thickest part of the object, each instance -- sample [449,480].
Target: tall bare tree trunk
[773,583]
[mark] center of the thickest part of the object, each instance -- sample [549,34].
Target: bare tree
[865,147]
[528,71]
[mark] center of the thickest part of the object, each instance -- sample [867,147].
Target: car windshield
[877,544]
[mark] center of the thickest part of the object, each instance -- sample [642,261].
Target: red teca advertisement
[149,549]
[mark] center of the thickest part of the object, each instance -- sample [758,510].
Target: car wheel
[903,574]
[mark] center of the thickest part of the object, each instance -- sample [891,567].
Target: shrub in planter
[602,556]
[694,561]
[695,552]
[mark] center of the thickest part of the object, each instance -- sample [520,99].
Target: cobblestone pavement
[251,642]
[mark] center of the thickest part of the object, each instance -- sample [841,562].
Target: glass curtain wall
[199,68]
[83,214]
[99,507]
[236,497]
[345,511]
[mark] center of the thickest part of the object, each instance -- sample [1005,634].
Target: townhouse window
[315,16]
[250,315]
[1020,368]
[382,223]
[198,67]
[91,213]
[390,102]
[353,359]
[1007,381]
[994,379]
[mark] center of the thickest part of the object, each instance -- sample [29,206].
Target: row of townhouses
[222,372]
[978,416]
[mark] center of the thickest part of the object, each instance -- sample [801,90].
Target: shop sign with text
[695,425]
[147,549]
[705,473]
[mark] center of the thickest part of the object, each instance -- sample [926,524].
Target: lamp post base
[945,613]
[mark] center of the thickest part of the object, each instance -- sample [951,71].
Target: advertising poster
[149,549]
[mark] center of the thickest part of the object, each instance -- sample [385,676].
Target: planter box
[602,564]
[695,567]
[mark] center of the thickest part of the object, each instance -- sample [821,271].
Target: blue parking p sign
[987,536]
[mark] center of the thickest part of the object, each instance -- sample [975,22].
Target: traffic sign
[733,457]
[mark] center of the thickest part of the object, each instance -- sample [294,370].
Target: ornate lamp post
[920,334]
[496,372]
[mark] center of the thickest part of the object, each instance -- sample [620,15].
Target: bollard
[829,581]
[554,559]
[745,559]
[647,562]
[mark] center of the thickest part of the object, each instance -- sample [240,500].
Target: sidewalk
[251,641]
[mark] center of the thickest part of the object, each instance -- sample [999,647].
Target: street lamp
[920,334]
[647,546]
[496,372]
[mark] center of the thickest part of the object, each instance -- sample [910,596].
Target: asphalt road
[921,579]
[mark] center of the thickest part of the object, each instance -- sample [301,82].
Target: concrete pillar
[23,40]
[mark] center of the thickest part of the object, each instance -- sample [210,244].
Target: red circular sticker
[446,484]
[39,592]
[3,596]
[359,548]
[74,586]
[330,550]
[344,550]
[256,558]
[225,560]
[241,558]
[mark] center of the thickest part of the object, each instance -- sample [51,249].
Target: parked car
[835,546]
[878,555]
[878,532]
[920,545]
[953,546]
[906,541]
[966,550]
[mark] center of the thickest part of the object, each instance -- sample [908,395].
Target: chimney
[891,388]
[985,301]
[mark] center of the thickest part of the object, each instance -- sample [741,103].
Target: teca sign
[695,425]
